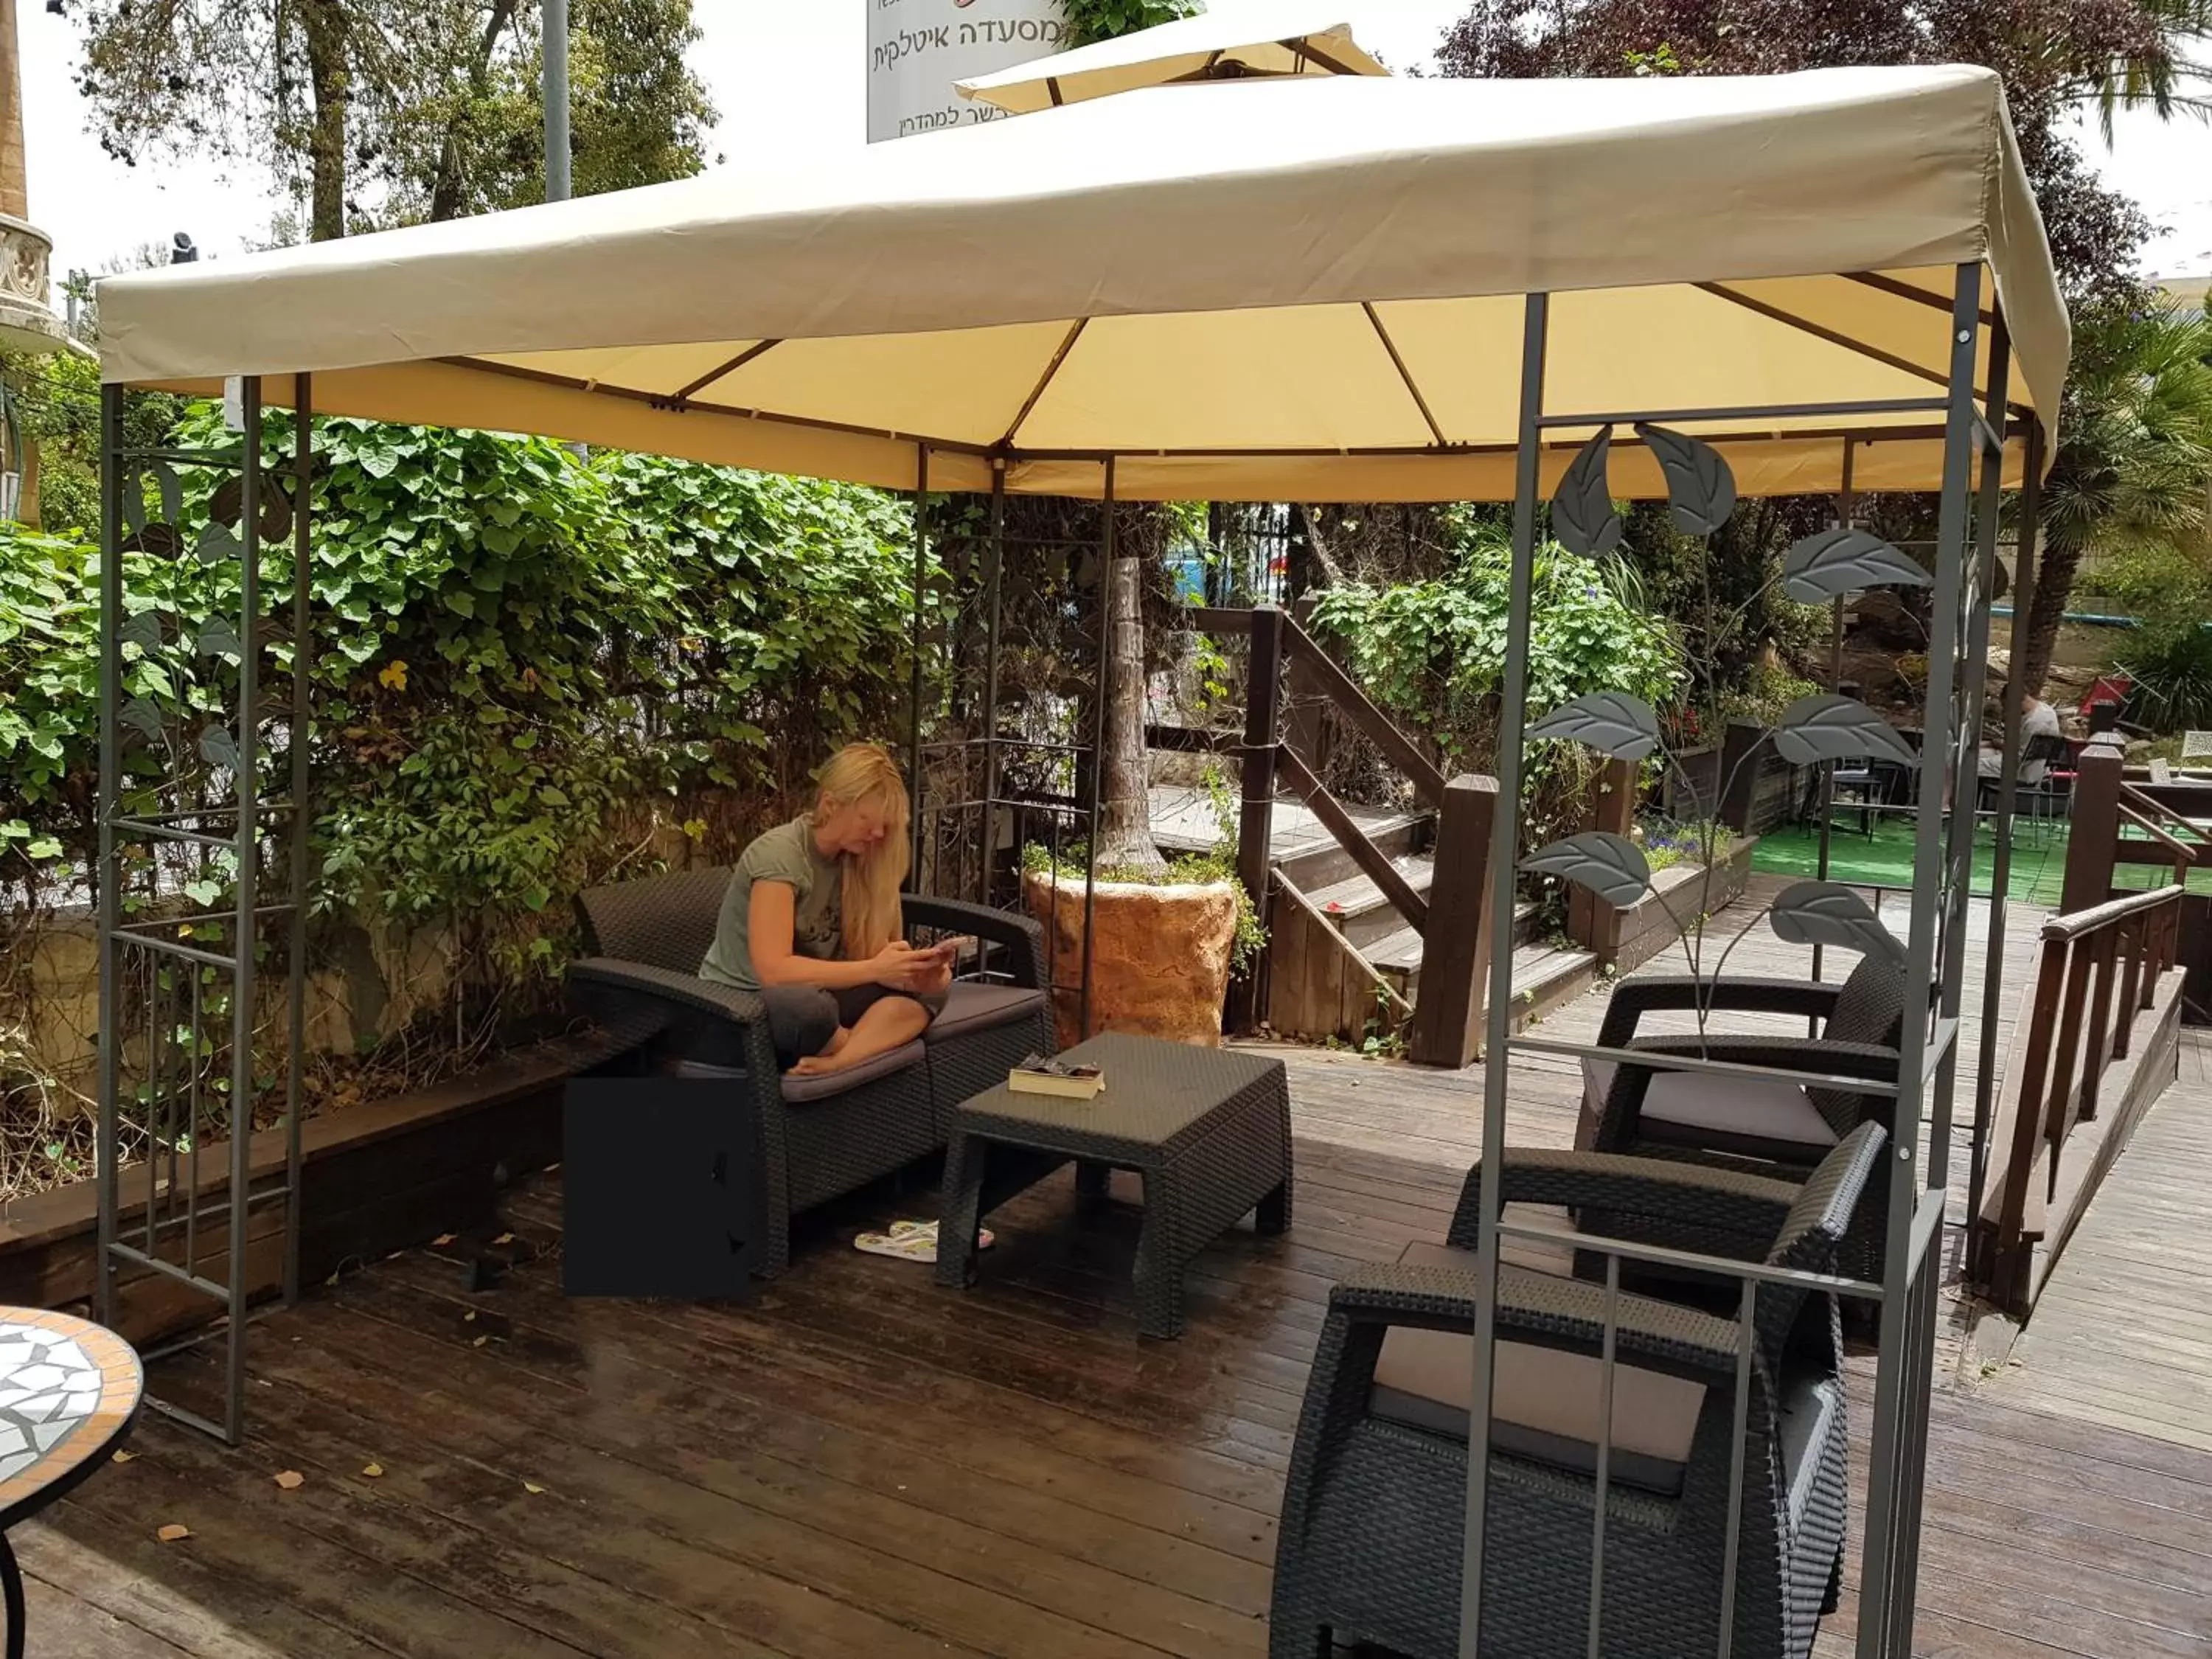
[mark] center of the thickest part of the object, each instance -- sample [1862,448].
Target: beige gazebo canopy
[1226,41]
[1277,289]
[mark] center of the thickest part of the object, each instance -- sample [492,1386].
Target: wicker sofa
[818,1137]
[1374,1508]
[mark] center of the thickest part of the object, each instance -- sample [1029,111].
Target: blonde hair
[859,773]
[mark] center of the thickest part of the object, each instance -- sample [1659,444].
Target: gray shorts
[802,1018]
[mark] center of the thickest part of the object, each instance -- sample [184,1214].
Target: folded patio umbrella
[1226,42]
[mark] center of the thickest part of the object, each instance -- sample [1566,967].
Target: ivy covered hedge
[1432,652]
[525,661]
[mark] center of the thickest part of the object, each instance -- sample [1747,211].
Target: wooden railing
[2106,805]
[1451,921]
[2101,968]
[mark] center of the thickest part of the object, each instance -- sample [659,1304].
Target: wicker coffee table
[1209,1130]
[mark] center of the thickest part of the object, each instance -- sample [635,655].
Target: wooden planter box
[1627,938]
[374,1178]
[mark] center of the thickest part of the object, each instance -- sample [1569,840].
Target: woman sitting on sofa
[811,923]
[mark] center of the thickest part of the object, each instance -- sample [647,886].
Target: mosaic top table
[68,1392]
[1208,1129]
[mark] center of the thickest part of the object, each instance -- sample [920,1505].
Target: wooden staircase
[1334,935]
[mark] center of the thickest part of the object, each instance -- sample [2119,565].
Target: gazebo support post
[1102,694]
[244,971]
[2025,554]
[1846,506]
[995,592]
[301,735]
[1505,861]
[106,872]
[1887,1573]
[915,782]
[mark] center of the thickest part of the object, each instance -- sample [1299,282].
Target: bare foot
[843,1035]
[821,1065]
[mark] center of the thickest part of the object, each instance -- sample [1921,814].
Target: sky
[788,73]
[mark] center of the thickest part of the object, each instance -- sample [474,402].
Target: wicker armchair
[1373,1510]
[818,1137]
[1760,1125]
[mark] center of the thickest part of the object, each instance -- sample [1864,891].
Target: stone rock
[1160,962]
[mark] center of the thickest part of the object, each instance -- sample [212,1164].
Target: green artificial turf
[1885,859]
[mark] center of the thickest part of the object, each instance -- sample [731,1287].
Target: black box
[658,1189]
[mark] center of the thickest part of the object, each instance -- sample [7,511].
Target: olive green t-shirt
[786,853]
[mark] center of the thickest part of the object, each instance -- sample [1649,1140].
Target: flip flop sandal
[910,1240]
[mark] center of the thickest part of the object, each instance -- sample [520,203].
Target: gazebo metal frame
[175,972]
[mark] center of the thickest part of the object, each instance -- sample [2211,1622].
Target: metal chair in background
[2043,788]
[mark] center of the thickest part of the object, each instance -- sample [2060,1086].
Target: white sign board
[918,48]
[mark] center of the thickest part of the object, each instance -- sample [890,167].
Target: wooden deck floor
[2122,1333]
[862,1465]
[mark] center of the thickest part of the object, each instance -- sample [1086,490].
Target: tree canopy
[377,112]
[2058,59]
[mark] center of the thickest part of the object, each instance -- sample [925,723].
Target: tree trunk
[14,189]
[2054,591]
[446,191]
[26,492]
[1124,818]
[330,78]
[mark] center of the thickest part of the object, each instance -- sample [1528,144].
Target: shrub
[1433,653]
[2169,655]
[530,669]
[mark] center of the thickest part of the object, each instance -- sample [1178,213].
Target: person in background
[2037,718]
[811,923]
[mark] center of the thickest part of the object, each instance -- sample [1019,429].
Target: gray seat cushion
[970,1006]
[805,1091]
[1698,1105]
[1545,1403]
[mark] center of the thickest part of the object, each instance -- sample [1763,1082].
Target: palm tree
[2135,454]
[2171,72]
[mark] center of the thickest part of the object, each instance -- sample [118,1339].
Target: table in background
[69,1391]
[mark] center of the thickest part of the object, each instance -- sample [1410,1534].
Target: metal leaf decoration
[219,639]
[1698,482]
[141,715]
[1827,727]
[218,542]
[1610,866]
[1821,913]
[228,506]
[171,492]
[1583,517]
[1832,563]
[1612,722]
[220,746]
[159,539]
[143,629]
